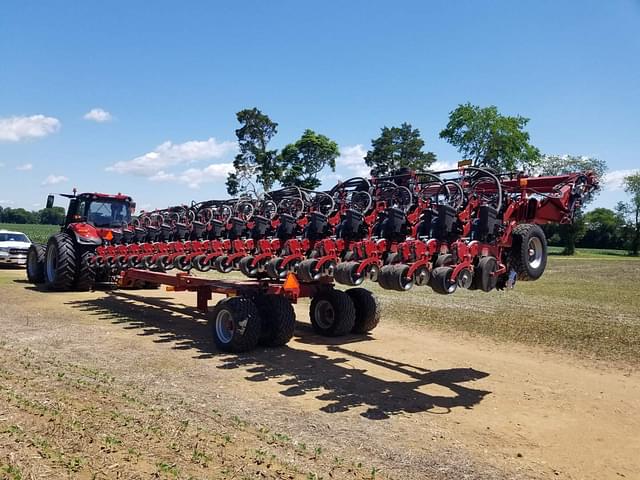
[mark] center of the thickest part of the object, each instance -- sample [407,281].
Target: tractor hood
[87,234]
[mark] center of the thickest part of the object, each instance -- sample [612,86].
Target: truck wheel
[86,276]
[35,263]
[332,313]
[60,263]
[528,256]
[367,310]
[236,325]
[278,320]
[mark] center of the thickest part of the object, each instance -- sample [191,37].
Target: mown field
[37,233]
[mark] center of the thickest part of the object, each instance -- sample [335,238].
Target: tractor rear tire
[86,276]
[35,263]
[236,324]
[60,266]
[332,313]
[278,320]
[528,256]
[367,310]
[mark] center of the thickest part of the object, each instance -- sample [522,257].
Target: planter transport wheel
[332,313]
[236,325]
[528,255]
[278,320]
[367,310]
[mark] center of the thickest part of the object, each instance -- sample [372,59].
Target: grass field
[587,305]
[601,253]
[37,233]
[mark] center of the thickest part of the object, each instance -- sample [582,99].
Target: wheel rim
[224,326]
[324,314]
[535,252]
[52,262]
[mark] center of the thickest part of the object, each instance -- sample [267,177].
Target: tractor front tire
[332,313]
[35,263]
[278,320]
[60,265]
[528,256]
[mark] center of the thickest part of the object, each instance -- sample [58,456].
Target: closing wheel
[394,277]
[346,273]
[182,263]
[163,262]
[246,268]
[483,278]
[332,313]
[222,264]
[274,269]
[441,281]
[278,320]
[200,263]
[35,263]
[236,325]
[528,253]
[367,310]
[422,276]
[60,263]
[307,272]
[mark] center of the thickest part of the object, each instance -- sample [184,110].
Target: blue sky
[159,84]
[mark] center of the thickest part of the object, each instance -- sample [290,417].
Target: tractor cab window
[108,214]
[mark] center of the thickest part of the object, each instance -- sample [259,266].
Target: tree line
[46,216]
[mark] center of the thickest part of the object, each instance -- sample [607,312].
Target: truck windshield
[13,237]
[104,213]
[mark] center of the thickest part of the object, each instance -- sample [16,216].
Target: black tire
[393,277]
[306,271]
[35,263]
[483,280]
[221,264]
[60,265]
[198,263]
[182,264]
[528,255]
[332,313]
[346,274]
[367,310]
[441,281]
[246,268]
[86,276]
[278,320]
[235,324]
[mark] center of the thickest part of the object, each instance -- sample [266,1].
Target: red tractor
[65,262]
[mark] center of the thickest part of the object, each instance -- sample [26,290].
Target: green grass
[601,253]
[37,233]
[585,305]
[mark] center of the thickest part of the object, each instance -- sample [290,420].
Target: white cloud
[25,167]
[614,180]
[193,177]
[14,129]
[7,202]
[440,165]
[98,115]
[352,158]
[54,179]
[168,154]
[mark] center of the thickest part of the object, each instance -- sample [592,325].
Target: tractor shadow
[341,379]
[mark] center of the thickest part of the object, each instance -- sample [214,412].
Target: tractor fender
[85,234]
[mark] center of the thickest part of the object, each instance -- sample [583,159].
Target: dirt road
[406,402]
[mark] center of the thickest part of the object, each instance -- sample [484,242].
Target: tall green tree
[490,139]
[254,158]
[51,216]
[630,211]
[571,234]
[604,229]
[396,148]
[302,161]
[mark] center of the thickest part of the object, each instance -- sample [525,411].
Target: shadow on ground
[331,377]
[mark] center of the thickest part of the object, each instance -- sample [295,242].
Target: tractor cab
[97,209]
